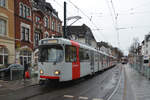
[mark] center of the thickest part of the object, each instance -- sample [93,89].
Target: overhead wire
[89,18]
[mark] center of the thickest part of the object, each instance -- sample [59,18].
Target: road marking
[83,98]
[97,99]
[68,96]
[0,85]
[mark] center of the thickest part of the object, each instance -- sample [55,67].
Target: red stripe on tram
[76,64]
[49,77]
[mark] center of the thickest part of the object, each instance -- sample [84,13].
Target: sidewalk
[140,86]
[10,86]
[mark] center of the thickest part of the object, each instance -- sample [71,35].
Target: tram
[64,60]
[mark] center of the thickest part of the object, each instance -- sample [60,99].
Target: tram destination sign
[49,42]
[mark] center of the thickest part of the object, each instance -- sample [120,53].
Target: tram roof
[68,42]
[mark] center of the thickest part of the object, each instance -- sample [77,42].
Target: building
[146,46]
[23,31]
[104,47]
[82,34]
[34,20]
[7,44]
[46,23]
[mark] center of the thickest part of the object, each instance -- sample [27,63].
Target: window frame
[21,9]
[4,55]
[3,3]
[5,22]
[70,56]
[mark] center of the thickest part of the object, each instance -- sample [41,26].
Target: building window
[37,19]
[3,56]
[25,34]
[58,28]
[46,35]
[37,38]
[25,57]
[21,9]
[3,3]
[46,22]
[70,53]
[2,27]
[25,12]
[53,25]
[28,13]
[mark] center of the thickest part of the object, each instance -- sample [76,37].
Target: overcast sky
[133,19]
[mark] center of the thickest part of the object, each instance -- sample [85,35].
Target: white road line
[97,99]
[0,85]
[83,98]
[68,96]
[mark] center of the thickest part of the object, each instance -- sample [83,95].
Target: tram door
[75,62]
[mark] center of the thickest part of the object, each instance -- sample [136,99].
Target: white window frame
[3,1]
[28,13]
[21,10]
[58,27]
[37,19]
[46,35]
[46,21]
[3,54]
[53,25]
[5,27]
[27,26]
[35,38]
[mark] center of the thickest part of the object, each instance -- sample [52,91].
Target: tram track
[75,88]
[82,85]
[117,86]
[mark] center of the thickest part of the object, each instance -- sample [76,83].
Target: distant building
[104,47]
[7,37]
[146,46]
[82,34]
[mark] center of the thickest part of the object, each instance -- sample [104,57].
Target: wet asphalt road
[98,87]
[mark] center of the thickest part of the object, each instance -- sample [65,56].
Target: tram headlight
[57,72]
[41,71]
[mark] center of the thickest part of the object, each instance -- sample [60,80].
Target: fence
[136,62]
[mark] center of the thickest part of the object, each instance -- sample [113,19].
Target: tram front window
[53,53]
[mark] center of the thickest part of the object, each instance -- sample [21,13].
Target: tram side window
[83,54]
[70,53]
[96,57]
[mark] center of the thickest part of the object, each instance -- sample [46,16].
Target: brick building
[23,31]
[45,23]
[7,44]
[34,20]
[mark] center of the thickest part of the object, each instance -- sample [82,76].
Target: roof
[80,31]
[44,6]
[147,37]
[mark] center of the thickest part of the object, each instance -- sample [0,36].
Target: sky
[132,21]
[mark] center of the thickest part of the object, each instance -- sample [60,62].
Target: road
[98,87]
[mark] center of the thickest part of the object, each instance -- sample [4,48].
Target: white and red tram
[64,60]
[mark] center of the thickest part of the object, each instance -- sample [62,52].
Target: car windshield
[52,53]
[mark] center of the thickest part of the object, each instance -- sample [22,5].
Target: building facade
[46,23]
[146,46]
[82,34]
[23,31]
[7,37]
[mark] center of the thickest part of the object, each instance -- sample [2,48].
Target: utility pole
[65,26]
